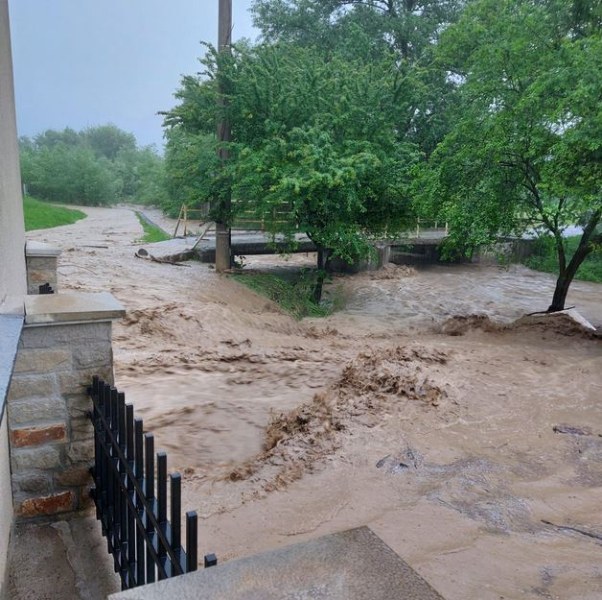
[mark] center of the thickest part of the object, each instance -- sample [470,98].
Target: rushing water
[432,294]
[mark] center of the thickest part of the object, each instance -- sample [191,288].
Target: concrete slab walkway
[63,560]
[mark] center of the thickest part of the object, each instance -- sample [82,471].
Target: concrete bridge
[420,245]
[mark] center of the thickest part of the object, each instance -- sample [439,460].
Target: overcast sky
[79,63]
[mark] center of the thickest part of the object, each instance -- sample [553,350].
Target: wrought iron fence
[145,545]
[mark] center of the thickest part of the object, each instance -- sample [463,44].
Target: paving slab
[63,560]
[351,565]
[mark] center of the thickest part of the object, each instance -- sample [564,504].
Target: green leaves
[316,146]
[99,165]
[329,115]
[525,149]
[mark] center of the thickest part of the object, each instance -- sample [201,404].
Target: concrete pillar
[42,266]
[12,229]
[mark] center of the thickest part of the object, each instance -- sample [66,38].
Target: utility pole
[224,132]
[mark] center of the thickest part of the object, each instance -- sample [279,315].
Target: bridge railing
[423,225]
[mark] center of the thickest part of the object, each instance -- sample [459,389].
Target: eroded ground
[438,434]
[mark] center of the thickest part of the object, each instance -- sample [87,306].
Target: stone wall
[66,340]
[51,436]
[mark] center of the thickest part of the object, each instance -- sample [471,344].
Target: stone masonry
[41,260]
[65,342]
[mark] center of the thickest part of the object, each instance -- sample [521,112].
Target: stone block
[82,451]
[35,436]
[40,275]
[42,361]
[32,411]
[77,382]
[73,477]
[28,386]
[43,263]
[85,500]
[92,355]
[43,458]
[47,505]
[37,483]
[78,405]
[81,429]
[74,382]
[66,335]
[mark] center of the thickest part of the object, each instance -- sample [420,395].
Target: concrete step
[351,565]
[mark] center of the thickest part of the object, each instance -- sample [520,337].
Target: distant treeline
[97,166]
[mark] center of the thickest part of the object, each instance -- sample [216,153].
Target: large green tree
[191,166]
[402,31]
[316,149]
[408,27]
[329,114]
[525,152]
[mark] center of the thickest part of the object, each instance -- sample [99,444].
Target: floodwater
[435,293]
[468,442]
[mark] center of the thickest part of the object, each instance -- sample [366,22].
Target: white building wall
[12,230]
[12,261]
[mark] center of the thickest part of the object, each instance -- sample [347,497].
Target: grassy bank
[152,233]
[292,294]
[43,215]
[545,259]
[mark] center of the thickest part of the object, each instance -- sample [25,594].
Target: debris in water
[572,430]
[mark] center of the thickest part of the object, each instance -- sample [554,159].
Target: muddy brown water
[443,444]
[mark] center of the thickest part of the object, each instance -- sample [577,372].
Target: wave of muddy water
[443,444]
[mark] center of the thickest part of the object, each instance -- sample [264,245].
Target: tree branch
[386,7]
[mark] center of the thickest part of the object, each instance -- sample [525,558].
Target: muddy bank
[418,409]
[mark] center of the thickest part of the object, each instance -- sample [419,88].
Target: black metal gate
[145,545]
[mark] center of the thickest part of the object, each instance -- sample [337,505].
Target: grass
[43,215]
[152,233]
[293,295]
[545,259]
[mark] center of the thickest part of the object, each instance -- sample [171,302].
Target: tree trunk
[560,292]
[323,258]
[568,272]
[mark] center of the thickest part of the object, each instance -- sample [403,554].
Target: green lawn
[152,233]
[43,215]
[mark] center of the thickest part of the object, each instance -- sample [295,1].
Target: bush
[544,258]
[293,294]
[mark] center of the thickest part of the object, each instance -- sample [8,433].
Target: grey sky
[80,63]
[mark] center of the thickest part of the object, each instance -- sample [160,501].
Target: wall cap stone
[71,307]
[39,249]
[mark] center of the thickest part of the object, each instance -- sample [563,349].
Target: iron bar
[144,544]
